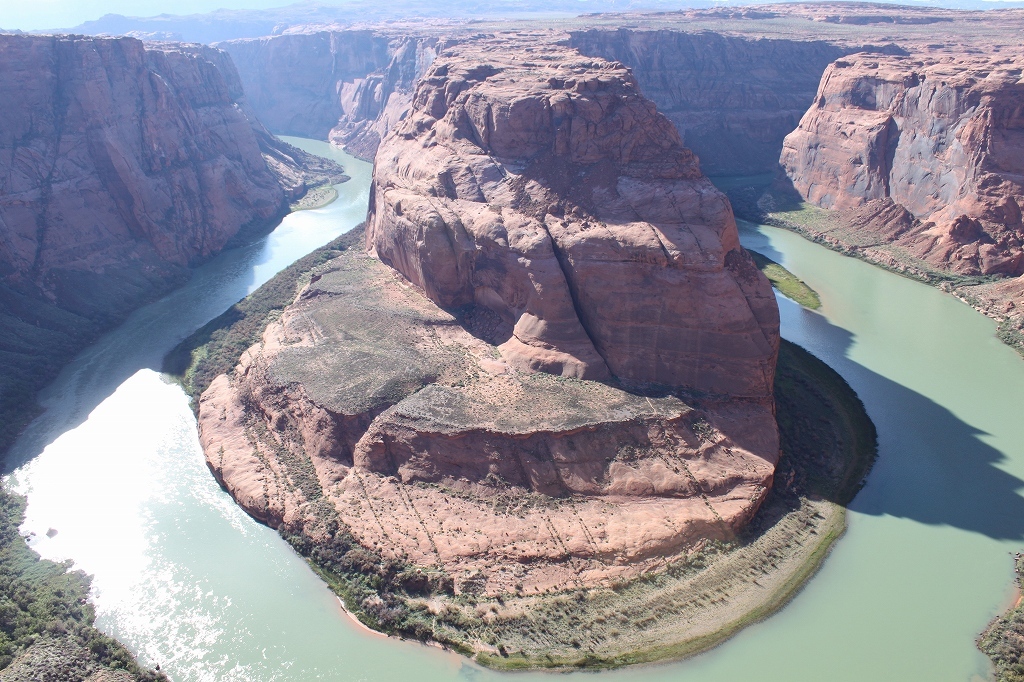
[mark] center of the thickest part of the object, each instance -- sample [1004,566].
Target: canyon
[840,104]
[544,370]
[122,166]
[547,278]
[920,157]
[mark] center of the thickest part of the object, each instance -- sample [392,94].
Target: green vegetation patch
[379,592]
[1011,332]
[215,348]
[317,197]
[46,620]
[368,348]
[785,281]
[1003,639]
[531,403]
[826,227]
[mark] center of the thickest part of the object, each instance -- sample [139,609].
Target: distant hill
[226,24]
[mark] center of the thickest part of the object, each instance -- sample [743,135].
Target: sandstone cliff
[557,196]
[120,165]
[921,152]
[545,220]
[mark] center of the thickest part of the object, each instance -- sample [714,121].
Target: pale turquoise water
[190,582]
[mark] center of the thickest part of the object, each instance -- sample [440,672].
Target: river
[187,580]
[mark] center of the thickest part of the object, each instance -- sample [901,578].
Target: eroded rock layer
[352,86]
[368,404]
[118,157]
[121,165]
[544,229]
[925,152]
[541,185]
[733,99]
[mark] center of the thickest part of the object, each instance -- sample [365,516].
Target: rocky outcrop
[293,82]
[923,152]
[121,165]
[551,192]
[118,155]
[368,408]
[545,227]
[373,105]
[349,85]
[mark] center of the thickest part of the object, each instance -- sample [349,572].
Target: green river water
[188,581]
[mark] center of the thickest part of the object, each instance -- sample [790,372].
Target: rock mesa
[544,227]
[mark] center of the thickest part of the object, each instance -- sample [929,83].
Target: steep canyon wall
[349,85]
[121,164]
[924,151]
[733,99]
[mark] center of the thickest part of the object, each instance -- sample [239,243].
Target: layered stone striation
[121,165]
[369,408]
[544,187]
[116,155]
[924,151]
[544,228]
[733,99]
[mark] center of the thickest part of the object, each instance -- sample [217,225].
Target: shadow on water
[933,467]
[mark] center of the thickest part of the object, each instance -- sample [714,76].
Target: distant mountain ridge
[225,24]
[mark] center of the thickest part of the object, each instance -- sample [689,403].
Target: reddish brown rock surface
[118,155]
[120,165]
[547,228]
[926,152]
[545,188]
[369,404]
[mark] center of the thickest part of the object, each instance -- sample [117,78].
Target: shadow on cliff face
[932,467]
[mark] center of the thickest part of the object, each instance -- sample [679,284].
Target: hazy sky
[39,14]
[29,15]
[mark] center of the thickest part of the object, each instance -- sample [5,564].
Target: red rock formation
[120,165]
[543,186]
[925,151]
[118,155]
[552,223]
[368,404]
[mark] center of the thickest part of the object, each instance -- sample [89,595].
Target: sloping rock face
[115,154]
[373,105]
[926,152]
[351,86]
[547,189]
[732,99]
[369,408]
[120,166]
[292,82]
[545,227]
